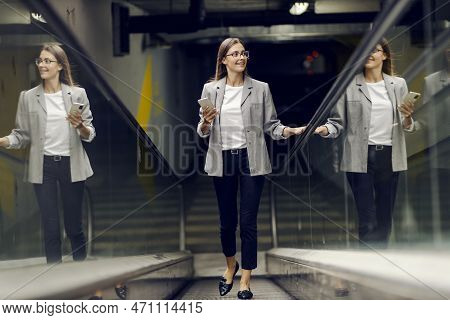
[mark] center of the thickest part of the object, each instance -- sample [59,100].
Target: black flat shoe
[224,287]
[122,292]
[245,294]
[96,298]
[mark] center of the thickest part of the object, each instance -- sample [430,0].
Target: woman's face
[48,67]
[376,58]
[238,63]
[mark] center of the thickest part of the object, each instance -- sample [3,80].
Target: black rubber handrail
[391,12]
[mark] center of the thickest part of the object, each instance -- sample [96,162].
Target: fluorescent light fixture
[38,17]
[346,6]
[298,8]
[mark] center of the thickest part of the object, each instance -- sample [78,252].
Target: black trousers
[72,197]
[236,173]
[374,194]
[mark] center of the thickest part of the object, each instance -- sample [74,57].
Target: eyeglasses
[46,61]
[376,50]
[235,54]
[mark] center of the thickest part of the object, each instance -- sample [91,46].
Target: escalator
[157,231]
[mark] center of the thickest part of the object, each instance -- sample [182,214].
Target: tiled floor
[210,266]
[207,289]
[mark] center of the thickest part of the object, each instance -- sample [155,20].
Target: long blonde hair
[388,66]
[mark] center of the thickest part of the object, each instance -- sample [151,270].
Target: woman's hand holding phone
[74,116]
[75,119]
[209,114]
[208,117]
[407,106]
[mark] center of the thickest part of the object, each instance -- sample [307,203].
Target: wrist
[205,126]
[286,132]
[407,120]
[4,142]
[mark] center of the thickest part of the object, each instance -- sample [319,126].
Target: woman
[56,153]
[237,154]
[373,117]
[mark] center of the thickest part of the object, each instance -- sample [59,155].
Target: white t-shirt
[57,131]
[382,116]
[231,123]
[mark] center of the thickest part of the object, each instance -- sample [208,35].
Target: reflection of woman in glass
[435,119]
[373,117]
[237,154]
[437,81]
[57,155]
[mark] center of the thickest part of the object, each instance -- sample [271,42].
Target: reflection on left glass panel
[21,40]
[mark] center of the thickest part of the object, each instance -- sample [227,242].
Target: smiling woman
[237,154]
[374,151]
[56,155]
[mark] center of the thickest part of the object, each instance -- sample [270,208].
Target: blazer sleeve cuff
[200,132]
[13,142]
[412,126]
[331,131]
[91,135]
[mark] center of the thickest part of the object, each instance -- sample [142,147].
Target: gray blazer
[352,116]
[258,115]
[31,123]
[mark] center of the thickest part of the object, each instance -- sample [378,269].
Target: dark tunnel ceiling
[175,17]
[182,6]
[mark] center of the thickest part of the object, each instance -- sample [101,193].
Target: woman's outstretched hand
[4,142]
[287,132]
[322,131]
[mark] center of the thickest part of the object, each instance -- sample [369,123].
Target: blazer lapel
[40,97]
[246,91]
[390,87]
[361,84]
[67,96]
[220,92]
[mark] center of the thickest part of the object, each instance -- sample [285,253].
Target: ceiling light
[345,6]
[298,8]
[38,17]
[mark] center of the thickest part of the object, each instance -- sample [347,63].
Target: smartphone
[76,106]
[206,104]
[411,97]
